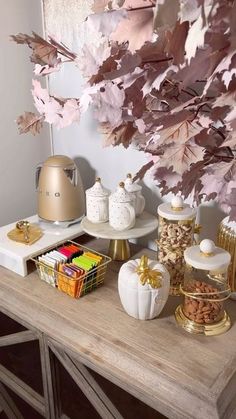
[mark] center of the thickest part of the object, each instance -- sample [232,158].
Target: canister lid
[121,194]
[207,256]
[176,210]
[131,186]
[97,189]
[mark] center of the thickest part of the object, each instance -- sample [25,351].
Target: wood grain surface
[181,375]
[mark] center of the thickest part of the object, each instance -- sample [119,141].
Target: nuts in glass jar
[201,309]
[174,238]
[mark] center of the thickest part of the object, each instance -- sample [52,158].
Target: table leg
[119,249]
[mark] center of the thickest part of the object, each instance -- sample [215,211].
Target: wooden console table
[182,376]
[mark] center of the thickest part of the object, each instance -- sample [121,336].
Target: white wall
[19,155]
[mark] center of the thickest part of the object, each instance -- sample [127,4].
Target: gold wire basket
[78,287]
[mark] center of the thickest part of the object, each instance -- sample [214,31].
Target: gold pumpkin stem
[147,275]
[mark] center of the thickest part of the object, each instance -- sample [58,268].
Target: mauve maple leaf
[195,38]
[141,173]
[45,104]
[120,135]
[136,29]
[181,156]
[166,178]
[218,181]
[70,113]
[176,42]
[92,58]
[30,122]
[106,23]
[175,135]
[43,51]
[107,99]
[189,10]
[43,70]
[61,112]
[166,13]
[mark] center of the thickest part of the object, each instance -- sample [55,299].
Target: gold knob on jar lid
[177,203]
[121,185]
[98,179]
[207,247]
[129,176]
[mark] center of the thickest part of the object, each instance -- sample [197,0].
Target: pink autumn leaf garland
[169,91]
[59,112]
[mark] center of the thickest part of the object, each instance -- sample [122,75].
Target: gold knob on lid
[129,176]
[207,247]
[121,184]
[98,179]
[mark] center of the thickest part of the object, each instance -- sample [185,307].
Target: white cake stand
[119,246]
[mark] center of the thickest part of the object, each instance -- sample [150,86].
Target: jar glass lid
[207,256]
[176,210]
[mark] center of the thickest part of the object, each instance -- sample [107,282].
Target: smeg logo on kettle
[47,193]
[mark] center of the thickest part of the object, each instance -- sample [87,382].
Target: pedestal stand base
[202,329]
[119,249]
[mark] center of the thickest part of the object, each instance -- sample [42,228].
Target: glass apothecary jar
[205,289]
[175,233]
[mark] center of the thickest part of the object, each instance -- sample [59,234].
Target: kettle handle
[37,174]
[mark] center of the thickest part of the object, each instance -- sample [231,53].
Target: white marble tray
[145,224]
[14,256]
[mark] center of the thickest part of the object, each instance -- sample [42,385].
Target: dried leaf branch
[162,78]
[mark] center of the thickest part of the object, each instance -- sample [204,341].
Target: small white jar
[121,209]
[97,206]
[136,191]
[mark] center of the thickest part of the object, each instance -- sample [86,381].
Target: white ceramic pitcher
[121,210]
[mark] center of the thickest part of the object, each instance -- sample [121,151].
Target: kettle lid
[59,161]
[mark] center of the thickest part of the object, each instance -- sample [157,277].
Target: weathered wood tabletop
[181,375]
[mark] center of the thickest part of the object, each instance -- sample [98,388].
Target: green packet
[84,263]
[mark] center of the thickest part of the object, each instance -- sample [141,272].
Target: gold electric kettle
[61,197]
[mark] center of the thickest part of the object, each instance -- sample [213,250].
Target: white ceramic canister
[136,190]
[143,286]
[121,209]
[97,205]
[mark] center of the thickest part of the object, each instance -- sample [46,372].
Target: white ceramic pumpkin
[144,302]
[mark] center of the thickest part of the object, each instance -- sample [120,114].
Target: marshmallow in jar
[136,190]
[97,203]
[205,289]
[121,209]
[175,234]
[226,239]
